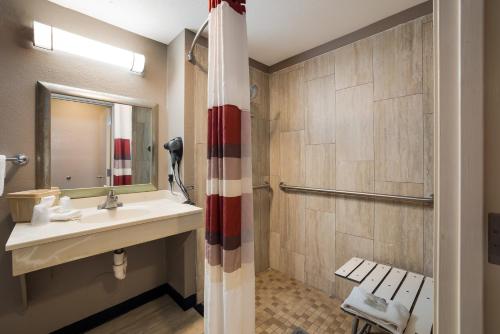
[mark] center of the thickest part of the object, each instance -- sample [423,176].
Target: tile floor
[283,305]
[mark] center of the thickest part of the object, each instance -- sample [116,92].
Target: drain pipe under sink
[120,263]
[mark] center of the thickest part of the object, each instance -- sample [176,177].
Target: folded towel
[58,213]
[390,315]
[2,172]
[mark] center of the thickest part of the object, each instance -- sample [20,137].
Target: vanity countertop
[138,208]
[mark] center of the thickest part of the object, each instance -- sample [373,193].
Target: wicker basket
[21,203]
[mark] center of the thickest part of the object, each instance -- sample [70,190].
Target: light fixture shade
[59,40]
[139,62]
[42,35]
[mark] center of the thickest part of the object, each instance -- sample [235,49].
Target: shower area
[358,118]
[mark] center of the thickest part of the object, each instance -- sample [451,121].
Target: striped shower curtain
[229,263]
[122,140]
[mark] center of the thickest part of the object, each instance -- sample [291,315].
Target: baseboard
[200,309]
[115,311]
[184,303]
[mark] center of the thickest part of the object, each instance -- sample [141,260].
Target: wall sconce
[54,39]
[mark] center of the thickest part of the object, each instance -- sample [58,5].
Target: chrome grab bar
[357,194]
[261,186]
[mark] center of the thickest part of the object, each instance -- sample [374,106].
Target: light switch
[494,238]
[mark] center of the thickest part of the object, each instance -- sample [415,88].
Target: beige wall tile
[299,267]
[428,68]
[200,95]
[261,229]
[353,64]
[274,149]
[276,98]
[355,216]
[293,223]
[354,123]
[320,172]
[257,232]
[397,61]
[275,202]
[355,175]
[260,149]
[346,247]
[292,157]
[274,250]
[428,241]
[320,66]
[320,110]
[292,264]
[320,249]
[399,230]
[292,112]
[428,154]
[399,139]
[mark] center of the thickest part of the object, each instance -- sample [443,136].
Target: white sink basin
[124,212]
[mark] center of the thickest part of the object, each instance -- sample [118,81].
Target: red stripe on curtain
[226,120]
[230,210]
[237,5]
[121,154]
[122,149]
[122,180]
[223,221]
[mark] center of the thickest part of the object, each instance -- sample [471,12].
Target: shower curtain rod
[357,194]
[190,55]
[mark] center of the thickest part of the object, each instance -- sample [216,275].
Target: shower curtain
[229,263]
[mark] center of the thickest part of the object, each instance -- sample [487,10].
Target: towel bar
[19,159]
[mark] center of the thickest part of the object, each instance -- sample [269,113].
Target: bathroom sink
[126,212]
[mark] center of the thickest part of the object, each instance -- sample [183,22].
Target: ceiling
[277,29]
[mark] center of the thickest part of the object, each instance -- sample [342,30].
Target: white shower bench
[413,290]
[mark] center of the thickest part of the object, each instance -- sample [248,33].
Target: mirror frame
[44,93]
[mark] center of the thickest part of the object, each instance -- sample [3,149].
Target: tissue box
[21,203]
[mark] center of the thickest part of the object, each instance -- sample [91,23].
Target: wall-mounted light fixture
[51,38]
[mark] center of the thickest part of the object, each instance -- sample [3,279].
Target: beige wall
[67,293]
[357,118]
[260,158]
[492,155]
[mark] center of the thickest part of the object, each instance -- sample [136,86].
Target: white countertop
[137,209]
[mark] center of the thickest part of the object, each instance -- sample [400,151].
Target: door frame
[458,148]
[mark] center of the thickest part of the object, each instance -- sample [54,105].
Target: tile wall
[357,118]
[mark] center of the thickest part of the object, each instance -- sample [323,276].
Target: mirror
[91,141]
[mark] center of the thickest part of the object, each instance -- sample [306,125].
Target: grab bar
[19,159]
[261,186]
[357,194]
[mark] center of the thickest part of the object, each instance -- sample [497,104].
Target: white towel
[390,315]
[2,173]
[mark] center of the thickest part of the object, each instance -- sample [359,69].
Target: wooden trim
[375,28]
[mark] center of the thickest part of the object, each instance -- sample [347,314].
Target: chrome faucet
[111,201]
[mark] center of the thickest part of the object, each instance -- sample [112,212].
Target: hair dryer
[175,147]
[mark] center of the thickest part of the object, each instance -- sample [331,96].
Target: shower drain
[299,331]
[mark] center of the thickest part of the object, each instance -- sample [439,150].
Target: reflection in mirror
[97,143]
